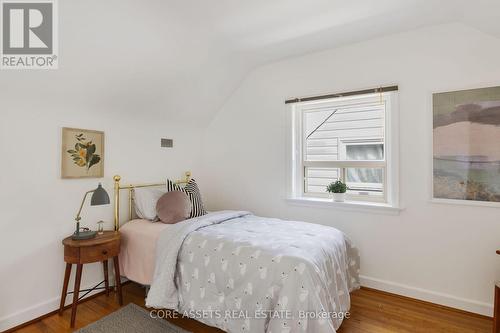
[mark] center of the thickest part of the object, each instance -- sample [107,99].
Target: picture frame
[465,159]
[82,153]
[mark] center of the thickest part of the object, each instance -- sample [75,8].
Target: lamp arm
[78,218]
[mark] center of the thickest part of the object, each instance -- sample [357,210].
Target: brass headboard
[130,188]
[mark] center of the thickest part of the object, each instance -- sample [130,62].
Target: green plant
[337,187]
[84,153]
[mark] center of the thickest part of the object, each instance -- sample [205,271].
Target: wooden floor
[372,312]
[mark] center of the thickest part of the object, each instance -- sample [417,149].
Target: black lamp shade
[99,197]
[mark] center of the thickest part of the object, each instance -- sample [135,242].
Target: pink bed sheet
[138,249]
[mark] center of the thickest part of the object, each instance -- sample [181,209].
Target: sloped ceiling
[183,58]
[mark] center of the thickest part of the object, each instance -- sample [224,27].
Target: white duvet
[244,273]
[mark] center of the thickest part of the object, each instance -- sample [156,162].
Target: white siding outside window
[353,139]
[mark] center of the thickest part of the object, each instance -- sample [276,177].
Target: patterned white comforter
[244,273]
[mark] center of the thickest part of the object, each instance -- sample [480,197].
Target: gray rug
[131,319]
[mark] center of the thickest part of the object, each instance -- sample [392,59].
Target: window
[350,139]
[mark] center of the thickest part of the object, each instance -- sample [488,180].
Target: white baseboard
[35,311]
[482,308]
[469,305]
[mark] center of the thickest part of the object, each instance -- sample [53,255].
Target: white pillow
[145,200]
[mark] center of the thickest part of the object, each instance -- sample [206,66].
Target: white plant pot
[338,197]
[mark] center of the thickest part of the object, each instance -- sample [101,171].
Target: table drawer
[99,252]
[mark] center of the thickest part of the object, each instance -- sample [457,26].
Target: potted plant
[338,190]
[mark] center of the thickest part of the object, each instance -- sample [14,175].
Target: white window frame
[296,142]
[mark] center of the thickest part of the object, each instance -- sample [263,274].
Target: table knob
[104,251]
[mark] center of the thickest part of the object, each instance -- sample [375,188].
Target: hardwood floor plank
[372,311]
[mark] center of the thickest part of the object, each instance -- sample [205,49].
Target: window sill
[364,207]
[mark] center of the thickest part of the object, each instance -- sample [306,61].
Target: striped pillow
[193,192]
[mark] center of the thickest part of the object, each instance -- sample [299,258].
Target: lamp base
[84,235]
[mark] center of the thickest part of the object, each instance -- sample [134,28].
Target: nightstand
[79,252]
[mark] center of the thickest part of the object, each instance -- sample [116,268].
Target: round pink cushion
[173,207]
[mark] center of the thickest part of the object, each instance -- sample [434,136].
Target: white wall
[441,253]
[437,252]
[38,207]
[112,77]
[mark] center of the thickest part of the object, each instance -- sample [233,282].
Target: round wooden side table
[79,252]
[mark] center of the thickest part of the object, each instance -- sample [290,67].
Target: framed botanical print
[82,153]
[466,146]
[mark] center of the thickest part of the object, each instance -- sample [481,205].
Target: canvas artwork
[466,143]
[82,153]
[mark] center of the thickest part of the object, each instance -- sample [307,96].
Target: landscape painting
[82,153]
[466,143]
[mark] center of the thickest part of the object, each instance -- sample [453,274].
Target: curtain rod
[344,94]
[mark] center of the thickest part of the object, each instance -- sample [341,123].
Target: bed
[244,273]
[138,249]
